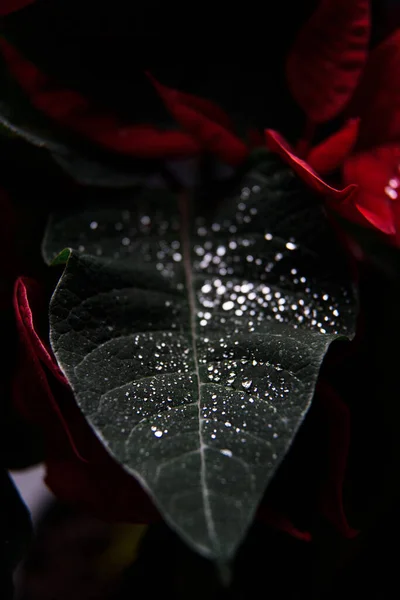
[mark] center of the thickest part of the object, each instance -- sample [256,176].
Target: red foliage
[376,174]
[328,56]
[329,155]
[278,144]
[202,126]
[377,98]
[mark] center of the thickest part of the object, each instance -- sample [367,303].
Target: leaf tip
[61,258]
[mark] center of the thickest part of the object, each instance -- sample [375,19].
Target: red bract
[377,98]
[278,144]
[329,155]
[367,147]
[328,56]
[374,166]
[376,173]
[9,6]
[205,122]
[204,127]
[350,202]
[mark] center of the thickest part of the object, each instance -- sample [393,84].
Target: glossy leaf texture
[192,334]
[327,58]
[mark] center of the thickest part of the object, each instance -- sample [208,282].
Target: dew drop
[247,383]
[226,452]
[228,305]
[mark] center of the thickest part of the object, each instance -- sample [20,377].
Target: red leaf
[205,126]
[36,356]
[376,174]
[279,145]
[196,116]
[9,6]
[25,321]
[330,154]
[377,100]
[73,111]
[326,60]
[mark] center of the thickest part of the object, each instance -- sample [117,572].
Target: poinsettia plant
[191,298]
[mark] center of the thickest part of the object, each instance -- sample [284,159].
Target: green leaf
[192,334]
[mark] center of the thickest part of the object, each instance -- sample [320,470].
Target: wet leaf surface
[192,335]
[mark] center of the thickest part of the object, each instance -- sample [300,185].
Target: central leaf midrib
[187,265]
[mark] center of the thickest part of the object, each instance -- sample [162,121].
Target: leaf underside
[192,336]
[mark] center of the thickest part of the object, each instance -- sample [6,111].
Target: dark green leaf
[88,171]
[192,334]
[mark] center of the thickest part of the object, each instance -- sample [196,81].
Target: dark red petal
[326,60]
[377,99]
[73,111]
[279,145]
[274,519]
[330,154]
[194,117]
[27,328]
[372,172]
[334,417]
[9,6]
[35,356]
